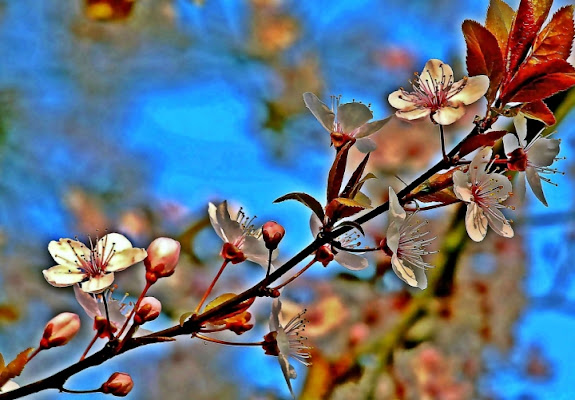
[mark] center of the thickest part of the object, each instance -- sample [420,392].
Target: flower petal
[520,123]
[475,222]
[396,211]
[69,252]
[450,114]
[510,143]
[371,128]
[320,111]
[414,277]
[413,114]
[351,261]
[499,223]
[351,116]
[226,228]
[88,302]
[365,145]
[473,90]
[98,283]
[288,371]
[274,316]
[461,186]
[112,242]
[478,164]
[542,153]
[255,250]
[63,275]
[400,100]
[122,260]
[436,70]
[534,181]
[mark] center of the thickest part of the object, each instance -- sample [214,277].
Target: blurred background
[130,116]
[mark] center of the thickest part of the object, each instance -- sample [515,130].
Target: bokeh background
[132,116]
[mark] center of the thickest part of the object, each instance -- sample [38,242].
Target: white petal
[510,143]
[112,242]
[9,386]
[274,317]
[436,70]
[122,260]
[396,211]
[407,274]
[500,186]
[475,222]
[479,163]
[399,100]
[351,116]
[315,225]
[413,114]
[520,123]
[63,275]
[288,371]
[255,250]
[88,302]
[365,145]
[67,252]
[542,153]
[351,261]
[371,128]
[226,228]
[98,284]
[499,224]
[392,235]
[319,110]
[534,181]
[461,186]
[450,114]
[473,90]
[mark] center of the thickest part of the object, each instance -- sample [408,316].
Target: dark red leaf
[337,171]
[305,199]
[538,110]
[474,142]
[355,177]
[556,39]
[340,208]
[521,36]
[539,81]
[483,55]
[498,21]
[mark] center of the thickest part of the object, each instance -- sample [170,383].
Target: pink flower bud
[163,256]
[60,330]
[273,233]
[118,384]
[149,309]
[324,255]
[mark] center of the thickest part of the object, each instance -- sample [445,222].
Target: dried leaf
[474,142]
[337,171]
[306,200]
[556,39]
[484,56]
[15,367]
[539,81]
[237,309]
[538,110]
[499,20]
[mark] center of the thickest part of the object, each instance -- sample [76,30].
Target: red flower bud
[324,255]
[163,256]
[118,384]
[272,233]
[149,309]
[60,330]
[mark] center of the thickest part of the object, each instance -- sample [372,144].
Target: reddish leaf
[521,36]
[436,189]
[538,110]
[477,141]
[483,55]
[348,192]
[540,11]
[15,367]
[336,172]
[539,81]
[556,39]
[499,20]
[306,200]
[341,208]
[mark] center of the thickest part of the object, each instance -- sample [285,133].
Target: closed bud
[149,309]
[324,255]
[272,233]
[118,384]
[60,330]
[163,256]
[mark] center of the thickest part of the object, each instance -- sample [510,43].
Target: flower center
[433,93]
[95,264]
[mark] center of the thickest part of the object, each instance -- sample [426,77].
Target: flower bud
[60,330]
[324,255]
[103,327]
[149,309]
[118,384]
[163,256]
[272,233]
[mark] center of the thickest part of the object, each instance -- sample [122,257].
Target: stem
[269,263]
[64,390]
[209,290]
[38,350]
[107,318]
[445,158]
[129,317]
[296,275]
[213,340]
[89,346]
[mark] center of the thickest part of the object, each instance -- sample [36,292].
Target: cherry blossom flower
[435,93]
[484,193]
[405,245]
[94,307]
[92,268]
[285,342]
[246,240]
[531,159]
[349,260]
[348,121]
